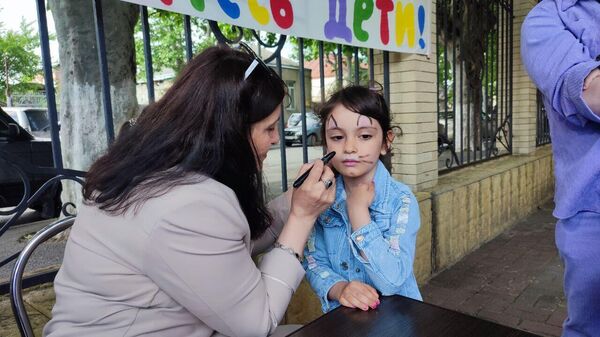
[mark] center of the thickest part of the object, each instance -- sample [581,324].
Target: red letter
[283,13]
[385,6]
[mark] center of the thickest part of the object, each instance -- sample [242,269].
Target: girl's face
[358,142]
[264,134]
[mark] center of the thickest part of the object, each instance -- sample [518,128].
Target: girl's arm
[388,256]
[319,273]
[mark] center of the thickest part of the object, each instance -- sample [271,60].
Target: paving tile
[540,328]
[515,279]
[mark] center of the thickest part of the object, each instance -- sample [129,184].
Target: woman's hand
[355,294]
[313,196]
[308,201]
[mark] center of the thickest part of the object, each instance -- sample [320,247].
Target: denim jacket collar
[381,179]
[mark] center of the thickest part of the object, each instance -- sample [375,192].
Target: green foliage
[17,54]
[167,41]
[473,40]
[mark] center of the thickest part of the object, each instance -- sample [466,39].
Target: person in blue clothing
[364,244]
[560,47]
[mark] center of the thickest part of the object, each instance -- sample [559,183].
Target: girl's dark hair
[202,124]
[361,100]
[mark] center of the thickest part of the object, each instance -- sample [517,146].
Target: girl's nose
[350,146]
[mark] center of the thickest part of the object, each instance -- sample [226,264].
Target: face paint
[364,121]
[331,123]
[357,140]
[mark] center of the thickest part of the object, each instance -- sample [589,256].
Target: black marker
[302,178]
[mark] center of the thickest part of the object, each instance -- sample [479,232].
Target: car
[33,120]
[293,129]
[20,154]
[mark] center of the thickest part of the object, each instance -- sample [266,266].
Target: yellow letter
[259,13]
[405,22]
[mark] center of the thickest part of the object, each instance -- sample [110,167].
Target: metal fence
[542,134]
[347,65]
[474,62]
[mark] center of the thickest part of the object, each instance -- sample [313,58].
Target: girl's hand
[359,198]
[361,195]
[356,294]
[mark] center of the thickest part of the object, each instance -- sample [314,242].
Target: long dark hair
[361,100]
[202,124]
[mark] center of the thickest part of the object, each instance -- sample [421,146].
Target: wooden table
[401,316]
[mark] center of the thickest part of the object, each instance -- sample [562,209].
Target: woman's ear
[387,146]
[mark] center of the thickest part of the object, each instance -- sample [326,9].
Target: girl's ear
[387,146]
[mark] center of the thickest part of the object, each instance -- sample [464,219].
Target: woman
[162,245]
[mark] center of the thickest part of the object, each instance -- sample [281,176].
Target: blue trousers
[578,242]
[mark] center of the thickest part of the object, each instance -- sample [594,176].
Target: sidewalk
[515,279]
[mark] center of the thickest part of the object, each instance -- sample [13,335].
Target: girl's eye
[336,138]
[365,137]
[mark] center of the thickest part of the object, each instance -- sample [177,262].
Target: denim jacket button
[344,265]
[360,238]
[358,270]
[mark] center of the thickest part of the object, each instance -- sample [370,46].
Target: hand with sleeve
[355,294]
[591,91]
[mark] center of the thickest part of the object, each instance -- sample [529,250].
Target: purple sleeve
[558,62]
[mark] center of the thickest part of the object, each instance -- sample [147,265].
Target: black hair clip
[376,87]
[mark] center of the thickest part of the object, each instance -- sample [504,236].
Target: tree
[19,63]
[468,27]
[83,135]
[167,40]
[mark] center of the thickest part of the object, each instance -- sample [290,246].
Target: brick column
[413,100]
[524,92]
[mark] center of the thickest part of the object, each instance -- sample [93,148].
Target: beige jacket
[180,266]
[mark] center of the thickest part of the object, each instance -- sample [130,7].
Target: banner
[400,26]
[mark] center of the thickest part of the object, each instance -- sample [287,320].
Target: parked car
[19,150]
[34,120]
[293,129]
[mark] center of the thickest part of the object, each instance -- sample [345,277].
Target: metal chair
[16,278]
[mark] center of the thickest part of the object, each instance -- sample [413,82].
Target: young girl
[364,244]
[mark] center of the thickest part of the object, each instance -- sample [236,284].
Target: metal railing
[542,134]
[341,56]
[474,65]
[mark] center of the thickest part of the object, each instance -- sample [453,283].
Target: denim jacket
[332,253]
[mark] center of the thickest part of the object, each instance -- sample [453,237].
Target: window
[291,99]
[38,120]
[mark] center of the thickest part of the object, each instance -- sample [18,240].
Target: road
[272,165]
